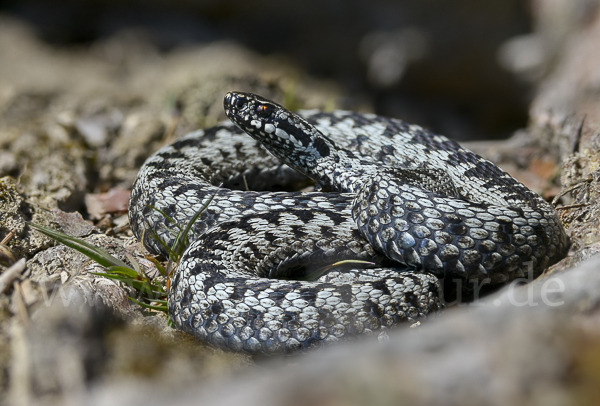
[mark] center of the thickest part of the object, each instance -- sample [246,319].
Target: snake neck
[300,145]
[297,143]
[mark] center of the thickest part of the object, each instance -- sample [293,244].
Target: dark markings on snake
[401,196]
[321,147]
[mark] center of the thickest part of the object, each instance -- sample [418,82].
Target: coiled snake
[260,274]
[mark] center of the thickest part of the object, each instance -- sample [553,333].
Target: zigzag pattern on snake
[415,204]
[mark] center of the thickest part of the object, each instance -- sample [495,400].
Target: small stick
[10,274]
[245,183]
[8,237]
[20,303]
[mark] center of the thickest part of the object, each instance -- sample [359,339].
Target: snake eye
[264,110]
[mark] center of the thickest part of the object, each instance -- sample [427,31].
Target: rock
[15,210]
[114,201]
[72,223]
[522,345]
[8,163]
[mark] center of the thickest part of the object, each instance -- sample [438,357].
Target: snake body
[266,273]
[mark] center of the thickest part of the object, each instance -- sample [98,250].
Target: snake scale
[272,271]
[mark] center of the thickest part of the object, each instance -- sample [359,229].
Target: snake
[395,213]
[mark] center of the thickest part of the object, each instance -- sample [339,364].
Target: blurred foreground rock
[535,345]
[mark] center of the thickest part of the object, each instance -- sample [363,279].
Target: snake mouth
[235,104]
[247,105]
[234,99]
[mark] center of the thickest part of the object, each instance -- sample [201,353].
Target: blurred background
[98,85]
[464,68]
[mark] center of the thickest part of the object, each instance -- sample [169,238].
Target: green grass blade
[157,264]
[180,242]
[119,270]
[115,268]
[153,234]
[96,254]
[143,287]
[156,287]
[148,306]
[160,288]
[134,263]
[165,215]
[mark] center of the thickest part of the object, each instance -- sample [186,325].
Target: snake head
[287,135]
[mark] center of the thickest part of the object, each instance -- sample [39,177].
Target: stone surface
[524,345]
